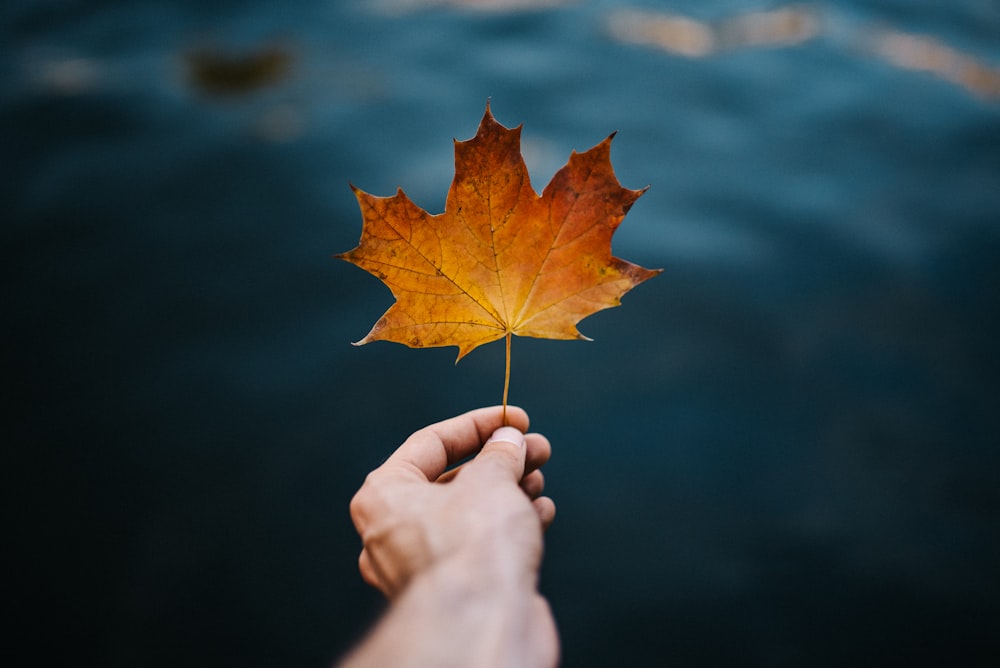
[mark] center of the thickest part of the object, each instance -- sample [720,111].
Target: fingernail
[508,434]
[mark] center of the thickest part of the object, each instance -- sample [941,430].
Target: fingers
[503,455]
[539,451]
[432,449]
[533,484]
[546,509]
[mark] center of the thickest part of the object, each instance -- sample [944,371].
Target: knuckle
[357,505]
[362,500]
[505,456]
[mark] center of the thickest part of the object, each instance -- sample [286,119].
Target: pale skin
[457,554]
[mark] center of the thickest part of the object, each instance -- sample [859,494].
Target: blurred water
[781,452]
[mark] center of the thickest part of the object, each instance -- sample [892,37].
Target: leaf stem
[506,379]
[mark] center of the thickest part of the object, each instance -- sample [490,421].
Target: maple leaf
[501,260]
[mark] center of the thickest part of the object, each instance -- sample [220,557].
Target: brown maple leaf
[501,260]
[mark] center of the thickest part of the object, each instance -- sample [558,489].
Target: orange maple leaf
[501,260]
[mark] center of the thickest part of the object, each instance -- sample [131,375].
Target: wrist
[493,615]
[446,621]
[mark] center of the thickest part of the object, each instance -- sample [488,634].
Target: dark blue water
[781,452]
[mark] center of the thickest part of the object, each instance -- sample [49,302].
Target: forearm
[443,619]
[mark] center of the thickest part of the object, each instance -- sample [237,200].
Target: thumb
[503,454]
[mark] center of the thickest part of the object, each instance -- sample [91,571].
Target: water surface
[781,452]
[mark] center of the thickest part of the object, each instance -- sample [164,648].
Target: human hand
[458,553]
[414,517]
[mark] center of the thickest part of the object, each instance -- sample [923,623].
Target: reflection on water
[915,52]
[67,76]
[689,37]
[392,7]
[217,71]
[793,25]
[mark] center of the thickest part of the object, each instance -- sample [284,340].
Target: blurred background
[780,452]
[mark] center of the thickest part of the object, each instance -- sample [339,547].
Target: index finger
[436,447]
